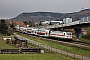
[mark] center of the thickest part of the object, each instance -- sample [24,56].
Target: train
[61,34]
[47,33]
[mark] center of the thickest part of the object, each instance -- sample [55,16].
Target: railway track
[78,44]
[81,43]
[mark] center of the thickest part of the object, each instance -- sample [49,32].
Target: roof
[21,24]
[21,39]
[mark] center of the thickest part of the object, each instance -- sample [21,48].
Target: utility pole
[38,27]
[19,23]
[62,26]
[38,23]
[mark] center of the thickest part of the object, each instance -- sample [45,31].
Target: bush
[87,36]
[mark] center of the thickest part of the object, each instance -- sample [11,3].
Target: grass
[59,46]
[4,45]
[33,57]
[83,39]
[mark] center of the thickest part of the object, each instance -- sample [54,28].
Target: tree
[87,35]
[10,30]
[25,22]
[40,23]
[30,24]
[3,27]
[12,25]
[33,23]
[50,23]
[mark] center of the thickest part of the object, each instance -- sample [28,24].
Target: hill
[42,16]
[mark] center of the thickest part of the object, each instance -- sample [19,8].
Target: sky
[12,8]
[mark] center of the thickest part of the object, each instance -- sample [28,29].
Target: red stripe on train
[60,35]
[29,30]
[53,34]
[41,32]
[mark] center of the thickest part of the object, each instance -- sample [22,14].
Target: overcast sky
[12,8]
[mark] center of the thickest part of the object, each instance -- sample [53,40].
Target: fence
[22,50]
[62,52]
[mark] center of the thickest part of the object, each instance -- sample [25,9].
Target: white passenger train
[42,32]
[22,29]
[60,34]
[47,33]
[55,34]
[30,31]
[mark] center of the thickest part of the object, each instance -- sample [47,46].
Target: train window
[68,33]
[29,29]
[64,33]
